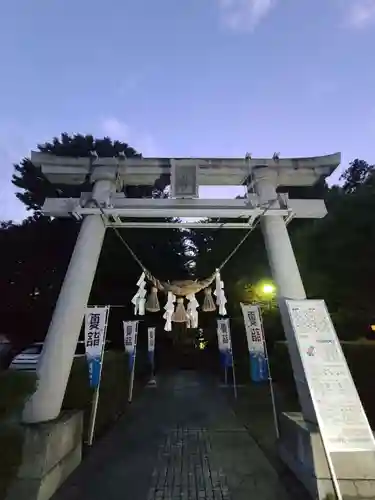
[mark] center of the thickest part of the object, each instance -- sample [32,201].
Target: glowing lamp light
[268,288]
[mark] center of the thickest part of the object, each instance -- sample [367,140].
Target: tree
[335,254]
[35,254]
[356,175]
[36,186]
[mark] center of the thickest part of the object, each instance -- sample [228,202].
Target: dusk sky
[188,77]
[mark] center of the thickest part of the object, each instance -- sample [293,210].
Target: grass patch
[11,440]
[113,390]
[16,386]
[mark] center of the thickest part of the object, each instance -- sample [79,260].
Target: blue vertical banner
[256,343]
[130,341]
[224,343]
[258,367]
[95,333]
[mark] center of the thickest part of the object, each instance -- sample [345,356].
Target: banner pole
[131,385]
[95,400]
[130,397]
[234,378]
[232,358]
[151,351]
[152,366]
[270,381]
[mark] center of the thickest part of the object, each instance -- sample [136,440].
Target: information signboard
[340,414]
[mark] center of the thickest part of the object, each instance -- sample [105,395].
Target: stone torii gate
[108,175]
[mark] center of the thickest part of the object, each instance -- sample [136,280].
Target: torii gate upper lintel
[262,177]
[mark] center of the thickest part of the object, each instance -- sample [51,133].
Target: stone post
[63,333]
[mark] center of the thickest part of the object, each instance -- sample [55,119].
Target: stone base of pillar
[301,449]
[50,453]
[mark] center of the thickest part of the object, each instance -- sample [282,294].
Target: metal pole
[131,385]
[130,397]
[95,401]
[234,378]
[153,366]
[275,419]
[226,375]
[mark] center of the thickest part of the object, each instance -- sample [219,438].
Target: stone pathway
[181,441]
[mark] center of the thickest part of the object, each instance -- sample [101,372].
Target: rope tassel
[152,303]
[139,298]
[180,314]
[208,303]
[220,295]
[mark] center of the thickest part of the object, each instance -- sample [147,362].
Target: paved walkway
[181,441]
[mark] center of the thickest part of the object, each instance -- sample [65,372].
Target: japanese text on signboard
[223,334]
[254,328]
[342,421]
[93,334]
[129,335]
[95,327]
[151,339]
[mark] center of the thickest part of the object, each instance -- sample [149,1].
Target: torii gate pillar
[63,333]
[279,248]
[286,274]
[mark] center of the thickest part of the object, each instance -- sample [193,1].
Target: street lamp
[268,288]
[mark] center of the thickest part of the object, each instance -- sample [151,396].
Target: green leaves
[35,254]
[335,254]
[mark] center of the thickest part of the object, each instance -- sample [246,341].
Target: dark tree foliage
[335,254]
[35,254]
[36,187]
[357,175]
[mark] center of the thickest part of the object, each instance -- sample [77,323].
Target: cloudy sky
[188,77]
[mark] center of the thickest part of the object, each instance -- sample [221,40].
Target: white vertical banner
[96,321]
[130,342]
[225,348]
[254,328]
[224,341]
[255,342]
[95,333]
[151,342]
[151,348]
